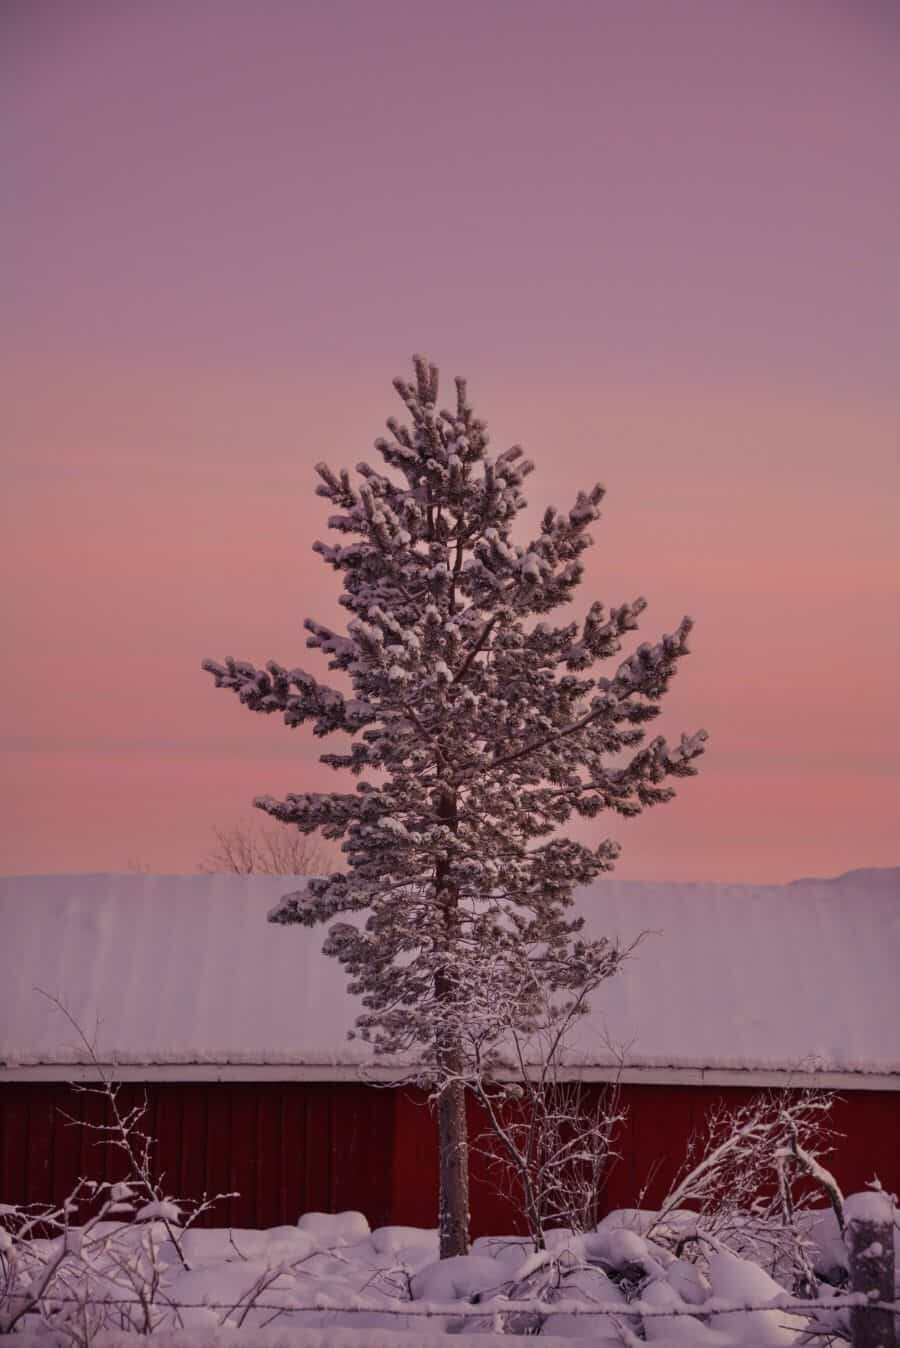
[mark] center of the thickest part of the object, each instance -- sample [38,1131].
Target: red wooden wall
[660,1122]
[291,1147]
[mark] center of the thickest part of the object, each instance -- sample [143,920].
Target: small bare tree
[93,1261]
[550,1141]
[550,1146]
[258,849]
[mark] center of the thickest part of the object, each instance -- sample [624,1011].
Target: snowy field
[330,1282]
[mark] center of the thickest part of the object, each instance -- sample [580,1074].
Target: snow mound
[734,1279]
[398,1239]
[509,1251]
[331,1229]
[459,1279]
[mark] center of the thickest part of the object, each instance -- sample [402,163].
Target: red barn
[236,1031]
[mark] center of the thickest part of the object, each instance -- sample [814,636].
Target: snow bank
[366,1295]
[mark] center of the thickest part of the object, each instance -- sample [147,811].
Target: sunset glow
[660,241]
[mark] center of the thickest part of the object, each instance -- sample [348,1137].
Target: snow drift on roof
[186,969]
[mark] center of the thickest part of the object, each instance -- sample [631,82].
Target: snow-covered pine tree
[483,731]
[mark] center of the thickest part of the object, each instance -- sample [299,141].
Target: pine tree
[485,731]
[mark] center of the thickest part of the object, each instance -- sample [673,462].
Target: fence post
[869,1236]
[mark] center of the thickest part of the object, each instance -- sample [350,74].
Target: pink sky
[661,240]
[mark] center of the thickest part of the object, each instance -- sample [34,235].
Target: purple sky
[660,239]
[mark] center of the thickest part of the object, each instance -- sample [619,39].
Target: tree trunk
[453,1141]
[454,1171]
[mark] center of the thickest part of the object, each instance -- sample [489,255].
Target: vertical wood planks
[293,1147]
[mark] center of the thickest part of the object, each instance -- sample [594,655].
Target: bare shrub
[750,1175]
[550,1140]
[550,1147]
[94,1261]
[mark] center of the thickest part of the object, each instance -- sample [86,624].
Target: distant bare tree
[258,849]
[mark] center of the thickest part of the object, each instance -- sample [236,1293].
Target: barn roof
[176,971]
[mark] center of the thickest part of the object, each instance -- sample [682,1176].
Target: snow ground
[305,1338]
[331,1283]
[324,1338]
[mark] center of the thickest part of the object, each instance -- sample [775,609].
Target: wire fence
[507,1306]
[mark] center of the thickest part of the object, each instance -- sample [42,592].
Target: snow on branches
[481,722]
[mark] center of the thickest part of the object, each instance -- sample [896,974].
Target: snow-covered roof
[184,969]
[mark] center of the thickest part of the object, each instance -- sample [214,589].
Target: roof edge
[385,1075]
